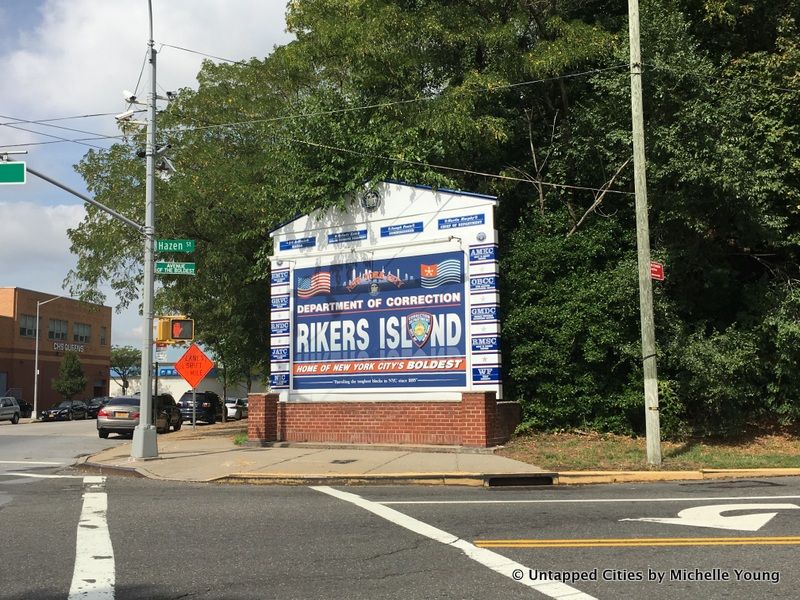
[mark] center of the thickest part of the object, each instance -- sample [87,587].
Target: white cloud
[85,52]
[74,57]
[35,237]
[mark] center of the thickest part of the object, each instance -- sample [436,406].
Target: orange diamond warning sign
[194,365]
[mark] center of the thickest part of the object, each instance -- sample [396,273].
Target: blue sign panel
[347,236]
[404,229]
[279,354]
[279,380]
[479,254]
[279,277]
[485,313]
[280,302]
[488,343]
[381,324]
[485,374]
[308,242]
[279,328]
[466,221]
[481,283]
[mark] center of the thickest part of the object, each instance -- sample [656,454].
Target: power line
[457,170]
[236,62]
[700,76]
[43,121]
[50,135]
[141,71]
[388,104]
[16,120]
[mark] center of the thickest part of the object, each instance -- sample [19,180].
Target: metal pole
[145,444]
[652,424]
[86,198]
[35,413]
[194,408]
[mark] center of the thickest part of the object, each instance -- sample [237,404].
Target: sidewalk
[208,455]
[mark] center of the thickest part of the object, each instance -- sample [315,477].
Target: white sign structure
[711,516]
[398,294]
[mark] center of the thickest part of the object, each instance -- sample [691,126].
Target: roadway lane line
[496,562]
[588,500]
[636,542]
[94,575]
[41,475]
[28,462]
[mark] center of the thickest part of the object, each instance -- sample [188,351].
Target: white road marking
[28,462]
[587,500]
[94,574]
[496,562]
[42,476]
[711,516]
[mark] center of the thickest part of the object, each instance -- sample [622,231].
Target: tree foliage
[535,92]
[71,379]
[126,362]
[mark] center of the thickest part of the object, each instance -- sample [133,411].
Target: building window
[57,330]
[27,326]
[81,332]
[103,334]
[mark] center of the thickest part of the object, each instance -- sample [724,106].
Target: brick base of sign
[478,420]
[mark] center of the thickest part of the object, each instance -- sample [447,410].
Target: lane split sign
[194,365]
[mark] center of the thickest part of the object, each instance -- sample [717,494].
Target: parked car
[95,404]
[237,408]
[9,409]
[25,408]
[121,415]
[66,410]
[208,407]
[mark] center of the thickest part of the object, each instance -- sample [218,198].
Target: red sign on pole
[657,270]
[194,365]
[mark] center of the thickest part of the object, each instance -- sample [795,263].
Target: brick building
[64,325]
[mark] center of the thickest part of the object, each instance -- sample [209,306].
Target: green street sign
[12,173]
[175,268]
[175,246]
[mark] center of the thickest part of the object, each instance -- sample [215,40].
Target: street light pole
[35,413]
[144,436]
[651,411]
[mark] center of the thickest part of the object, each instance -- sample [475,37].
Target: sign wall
[400,300]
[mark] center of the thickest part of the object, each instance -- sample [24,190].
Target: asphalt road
[149,539]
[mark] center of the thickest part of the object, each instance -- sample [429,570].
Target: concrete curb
[457,478]
[84,465]
[584,477]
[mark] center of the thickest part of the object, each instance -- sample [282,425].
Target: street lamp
[35,414]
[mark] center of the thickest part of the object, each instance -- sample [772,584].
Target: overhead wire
[456,169]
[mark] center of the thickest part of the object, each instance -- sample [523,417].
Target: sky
[70,58]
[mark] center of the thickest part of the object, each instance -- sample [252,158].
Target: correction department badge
[419,327]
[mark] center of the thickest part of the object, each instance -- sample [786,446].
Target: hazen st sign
[194,365]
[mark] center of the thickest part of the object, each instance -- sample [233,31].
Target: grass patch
[240,438]
[606,452]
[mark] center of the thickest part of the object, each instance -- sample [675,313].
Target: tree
[71,379]
[126,362]
[534,93]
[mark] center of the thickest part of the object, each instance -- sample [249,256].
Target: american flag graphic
[318,283]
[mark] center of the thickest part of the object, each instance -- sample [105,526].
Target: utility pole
[145,444]
[651,414]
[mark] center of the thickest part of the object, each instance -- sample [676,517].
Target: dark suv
[208,409]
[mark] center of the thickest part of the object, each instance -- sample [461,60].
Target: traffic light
[174,330]
[181,330]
